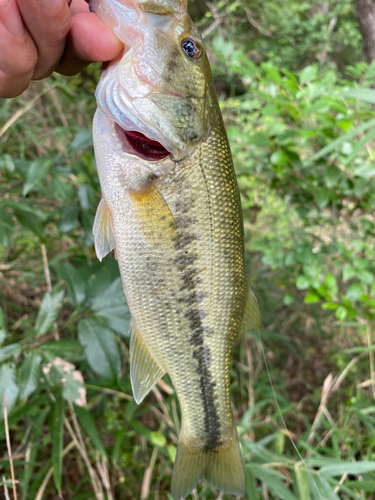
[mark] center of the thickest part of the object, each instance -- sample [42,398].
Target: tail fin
[222,467]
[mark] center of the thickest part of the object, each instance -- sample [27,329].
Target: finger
[79,6]
[89,40]
[18,54]
[48,23]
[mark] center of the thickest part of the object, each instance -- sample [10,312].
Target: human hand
[38,37]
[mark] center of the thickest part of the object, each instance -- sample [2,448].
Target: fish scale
[177,227]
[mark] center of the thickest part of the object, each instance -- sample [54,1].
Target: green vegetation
[303,388]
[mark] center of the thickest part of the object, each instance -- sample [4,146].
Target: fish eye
[192,48]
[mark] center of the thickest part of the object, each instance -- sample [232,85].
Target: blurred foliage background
[296,95]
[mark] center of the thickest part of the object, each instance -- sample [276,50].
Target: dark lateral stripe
[191,298]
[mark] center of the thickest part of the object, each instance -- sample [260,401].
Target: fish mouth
[138,144]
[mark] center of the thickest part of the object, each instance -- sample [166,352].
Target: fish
[171,209]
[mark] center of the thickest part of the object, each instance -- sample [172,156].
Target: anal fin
[252,318]
[144,370]
[103,230]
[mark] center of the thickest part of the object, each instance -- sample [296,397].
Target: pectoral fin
[251,318]
[144,370]
[153,214]
[103,230]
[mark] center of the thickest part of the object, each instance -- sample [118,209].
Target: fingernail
[50,4]
[10,17]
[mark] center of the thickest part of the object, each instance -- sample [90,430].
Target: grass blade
[57,438]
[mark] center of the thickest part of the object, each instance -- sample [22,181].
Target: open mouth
[145,147]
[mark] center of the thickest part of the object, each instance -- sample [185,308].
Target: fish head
[160,89]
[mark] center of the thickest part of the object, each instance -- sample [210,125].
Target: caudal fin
[221,467]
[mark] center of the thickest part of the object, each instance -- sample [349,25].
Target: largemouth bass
[171,209]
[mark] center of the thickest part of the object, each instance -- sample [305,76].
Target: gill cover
[155,88]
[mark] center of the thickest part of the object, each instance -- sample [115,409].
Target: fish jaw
[155,89]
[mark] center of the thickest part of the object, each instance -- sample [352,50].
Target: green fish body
[171,209]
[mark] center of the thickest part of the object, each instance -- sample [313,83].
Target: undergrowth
[303,388]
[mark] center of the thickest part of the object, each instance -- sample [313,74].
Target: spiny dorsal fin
[251,318]
[144,370]
[103,230]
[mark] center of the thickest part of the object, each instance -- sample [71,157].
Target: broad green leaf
[366,95]
[38,170]
[3,331]
[11,350]
[322,196]
[57,437]
[67,349]
[7,163]
[352,468]
[158,439]
[172,452]
[85,195]
[8,388]
[312,297]
[68,219]
[48,311]
[82,140]
[6,228]
[365,276]
[354,292]
[59,372]
[30,220]
[365,170]
[34,444]
[29,375]
[101,350]
[88,424]
[111,307]
[273,480]
[331,175]
[76,281]
[308,74]
[341,313]
[322,488]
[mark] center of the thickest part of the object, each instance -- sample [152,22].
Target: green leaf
[101,350]
[332,146]
[312,297]
[352,468]
[288,299]
[341,313]
[365,171]
[360,144]
[29,375]
[302,482]
[8,388]
[68,219]
[308,74]
[88,424]
[302,283]
[354,292]
[38,170]
[85,195]
[48,311]
[158,439]
[331,175]
[365,95]
[366,485]
[273,480]
[11,350]
[57,437]
[34,444]
[30,220]
[172,452]
[111,307]
[3,331]
[76,281]
[6,228]
[82,140]
[365,276]
[322,196]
